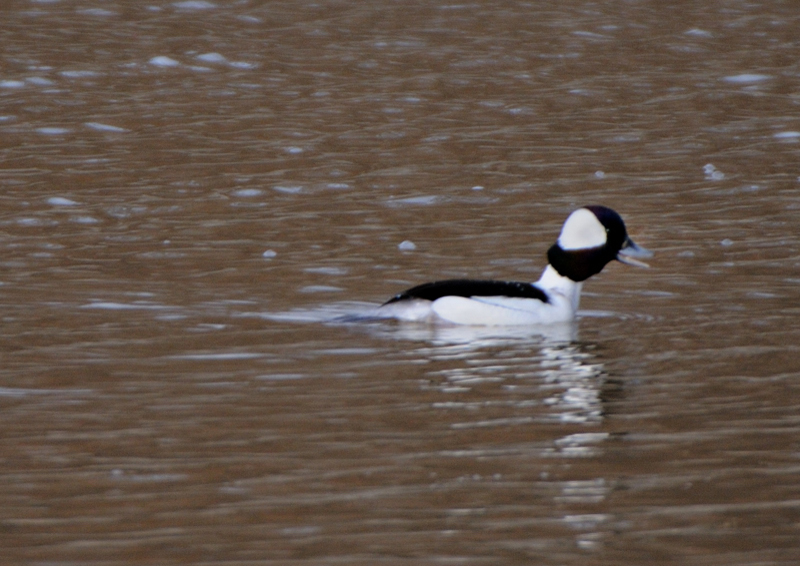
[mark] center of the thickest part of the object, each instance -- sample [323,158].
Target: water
[198,197]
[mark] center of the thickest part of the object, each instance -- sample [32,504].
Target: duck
[591,238]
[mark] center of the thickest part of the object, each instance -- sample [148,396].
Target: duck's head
[591,237]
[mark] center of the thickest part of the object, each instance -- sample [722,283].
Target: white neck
[560,287]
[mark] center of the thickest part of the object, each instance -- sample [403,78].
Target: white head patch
[582,230]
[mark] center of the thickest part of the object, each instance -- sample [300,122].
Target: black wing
[470,288]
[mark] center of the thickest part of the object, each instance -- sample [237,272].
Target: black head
[591,237]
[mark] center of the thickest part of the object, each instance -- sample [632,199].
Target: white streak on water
[79,74]
[194,5]
[104,127]
[746,78]
[39,81]
[247,193]
[61,201]
[53,131]
[111,305]
[219,356]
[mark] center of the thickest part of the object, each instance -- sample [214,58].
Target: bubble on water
[406,246]
[713,173]
[727,242]
[212,58]
[600,174]
[164,61]
[269,254]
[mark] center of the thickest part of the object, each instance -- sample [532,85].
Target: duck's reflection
[541,390]
[576,379]
[544,367]
[522,382]
[522,402]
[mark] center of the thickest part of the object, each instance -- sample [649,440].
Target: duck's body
[591,238]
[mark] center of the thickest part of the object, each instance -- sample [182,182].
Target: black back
[470,288]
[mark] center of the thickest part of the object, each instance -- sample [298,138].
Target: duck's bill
[632,254]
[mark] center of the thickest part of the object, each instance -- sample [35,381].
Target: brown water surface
[198,197]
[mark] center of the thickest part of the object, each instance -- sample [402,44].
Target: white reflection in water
[583,491]
[576,380]
[570,378]
[465,340]
[580,445]
[547,358]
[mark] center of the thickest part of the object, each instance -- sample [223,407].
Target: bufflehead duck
[591,237]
